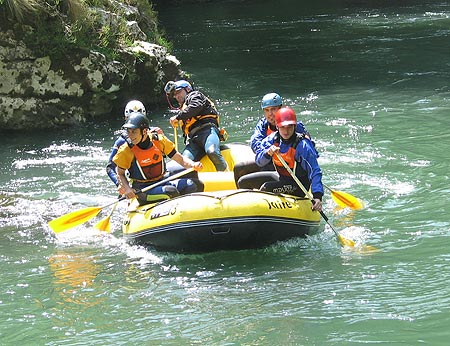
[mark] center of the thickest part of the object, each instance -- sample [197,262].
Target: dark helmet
[285,116]
[136,120]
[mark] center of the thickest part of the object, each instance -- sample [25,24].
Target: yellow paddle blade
[73,219]
[344,199]
[367,249]
[360,248]
[345,242]
[104,225]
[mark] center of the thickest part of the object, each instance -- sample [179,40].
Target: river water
[372,85]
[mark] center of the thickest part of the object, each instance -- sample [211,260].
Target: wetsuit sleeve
[111,166]
[258,135]
[306,155]
[261,156]
[111,171]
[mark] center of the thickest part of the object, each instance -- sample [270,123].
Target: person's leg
[212,149]
[190,151]
[185,186]
[157,194]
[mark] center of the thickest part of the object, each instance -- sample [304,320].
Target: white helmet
[134,106]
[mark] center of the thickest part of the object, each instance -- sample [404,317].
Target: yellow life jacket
[187,125]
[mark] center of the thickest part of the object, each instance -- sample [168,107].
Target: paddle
[343,241]
[175,136]
[104,225]
[344,199]
[78,217]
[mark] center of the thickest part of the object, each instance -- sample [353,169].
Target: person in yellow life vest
[131,107]
[199,122]
[143,158]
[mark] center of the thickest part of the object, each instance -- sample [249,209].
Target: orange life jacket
[269,130]
[150,162]
[288,157]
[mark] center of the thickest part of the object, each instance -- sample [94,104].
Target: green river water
[370,80]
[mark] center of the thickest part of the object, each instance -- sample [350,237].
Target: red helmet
[285,116]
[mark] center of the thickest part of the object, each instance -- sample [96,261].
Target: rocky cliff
[40,91]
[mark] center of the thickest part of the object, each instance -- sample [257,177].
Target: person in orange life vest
[131,107]
[246,174]
[199,121]
[143,158]
[299,153]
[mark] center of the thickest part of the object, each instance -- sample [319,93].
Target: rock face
[37,92]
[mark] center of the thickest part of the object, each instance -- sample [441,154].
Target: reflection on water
[74,277]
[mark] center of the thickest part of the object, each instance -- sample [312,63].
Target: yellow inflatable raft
[221,220]
[232,153]
[222,217]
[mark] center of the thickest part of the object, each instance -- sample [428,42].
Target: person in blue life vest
[143,159]
[246,174]
[132,106]
[199,121]
[299,153]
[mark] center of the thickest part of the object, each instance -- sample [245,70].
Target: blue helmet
[271,100]
[180,84]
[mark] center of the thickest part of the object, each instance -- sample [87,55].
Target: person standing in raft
[143,158]
[299,153]
[246,174]
[199,122]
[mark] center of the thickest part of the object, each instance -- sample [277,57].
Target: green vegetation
[61,25]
